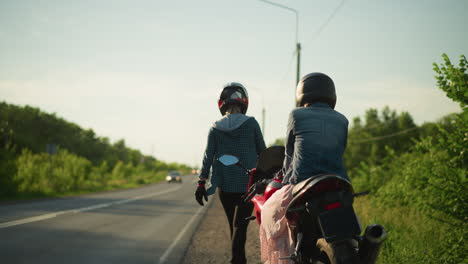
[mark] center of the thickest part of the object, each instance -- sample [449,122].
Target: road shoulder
[211,241]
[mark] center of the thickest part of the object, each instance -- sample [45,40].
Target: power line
[332,15]
[279,5]
[289,9]
[383,137]
[369,127]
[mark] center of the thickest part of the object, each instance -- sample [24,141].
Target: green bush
[45,174]
[65,173]
[8,171]
[420,194]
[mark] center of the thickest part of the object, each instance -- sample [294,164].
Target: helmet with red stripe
[233,93]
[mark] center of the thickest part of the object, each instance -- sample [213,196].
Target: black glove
[201,192]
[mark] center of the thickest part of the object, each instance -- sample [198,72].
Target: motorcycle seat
[310,182]
[305,185]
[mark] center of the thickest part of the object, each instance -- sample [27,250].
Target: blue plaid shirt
[245,142]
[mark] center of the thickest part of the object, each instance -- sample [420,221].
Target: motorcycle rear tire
[341,252]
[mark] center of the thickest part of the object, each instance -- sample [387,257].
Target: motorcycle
[325,228]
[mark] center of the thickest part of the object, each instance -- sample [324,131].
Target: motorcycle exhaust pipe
[369,247]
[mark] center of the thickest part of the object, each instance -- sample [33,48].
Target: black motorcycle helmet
[315,87]
[233,93]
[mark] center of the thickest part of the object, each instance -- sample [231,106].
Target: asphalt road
[152,224]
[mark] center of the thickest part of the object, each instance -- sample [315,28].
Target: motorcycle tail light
[332,206]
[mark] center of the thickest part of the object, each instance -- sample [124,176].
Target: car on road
[174,176]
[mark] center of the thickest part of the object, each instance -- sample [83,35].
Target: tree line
[43,154]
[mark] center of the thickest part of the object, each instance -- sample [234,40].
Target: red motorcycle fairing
[260,199]
[258,202]
[272,187]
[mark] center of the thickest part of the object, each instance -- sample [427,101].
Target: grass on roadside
[412,236]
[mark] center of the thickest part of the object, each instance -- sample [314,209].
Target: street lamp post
[298,45]
[298,53]
[263,108]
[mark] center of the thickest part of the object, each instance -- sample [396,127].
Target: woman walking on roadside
[239,135]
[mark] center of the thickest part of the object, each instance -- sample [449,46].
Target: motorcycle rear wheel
[337,253]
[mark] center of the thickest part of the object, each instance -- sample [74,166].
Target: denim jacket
[315,143]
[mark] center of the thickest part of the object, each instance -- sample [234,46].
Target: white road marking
[168,251]
[79,210]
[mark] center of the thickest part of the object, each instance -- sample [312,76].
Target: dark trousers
[236,211]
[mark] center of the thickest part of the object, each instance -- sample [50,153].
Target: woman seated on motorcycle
[315,143]
[236,134]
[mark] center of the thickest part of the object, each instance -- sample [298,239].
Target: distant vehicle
[194,171]
[174,176]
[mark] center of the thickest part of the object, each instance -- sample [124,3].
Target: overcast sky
[150,72]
